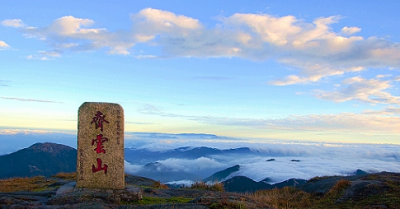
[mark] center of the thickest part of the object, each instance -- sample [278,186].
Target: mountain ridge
[43,159]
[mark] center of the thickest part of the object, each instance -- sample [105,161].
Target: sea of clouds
[292,159]
[310,158]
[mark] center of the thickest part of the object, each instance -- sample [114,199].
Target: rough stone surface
[67,196]
[100,162]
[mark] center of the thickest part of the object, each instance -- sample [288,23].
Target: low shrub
[287,197]
[340,185]
[212,187]
[159,185]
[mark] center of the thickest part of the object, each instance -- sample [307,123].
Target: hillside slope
[40,159]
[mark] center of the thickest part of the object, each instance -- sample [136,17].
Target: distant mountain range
[144,156]
[243,184]
[49,158]
[221,175]
[42,159]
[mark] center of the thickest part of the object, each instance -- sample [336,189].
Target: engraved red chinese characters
[98,120]
[99,167]
[99,143]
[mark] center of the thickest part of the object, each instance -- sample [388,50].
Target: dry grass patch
[287,197]
[159,185]
[24,184]
[212,187]
[68,176]
[340,185]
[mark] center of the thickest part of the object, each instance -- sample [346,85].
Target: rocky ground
[140,192]
[380,190]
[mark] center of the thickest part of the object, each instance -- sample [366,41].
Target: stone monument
[100,146]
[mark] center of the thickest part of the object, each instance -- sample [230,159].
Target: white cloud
[347,122]
[186,183]
[343,122]
[382,76]
[315,159]
[66,26]
[365,90]
[350,30]
[45,55]
[270,29]
[50,53]
[145,56]
[30,131]
[131,168]
[314,49]
[29,100]
[186,165]
[391,110]
[312,72]
[309,167]
[3,45]
[16,23]
[165,21]
[71,33]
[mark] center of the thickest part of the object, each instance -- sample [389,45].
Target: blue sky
[309,71]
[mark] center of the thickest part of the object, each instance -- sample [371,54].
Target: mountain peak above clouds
[52,148]
[43,159]
[221,175]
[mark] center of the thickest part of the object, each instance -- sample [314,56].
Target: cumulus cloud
[76,34]
[15,23]
[313,49]
[164,21]
[3,45]
[350,30]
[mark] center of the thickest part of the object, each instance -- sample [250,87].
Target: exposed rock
[64,194]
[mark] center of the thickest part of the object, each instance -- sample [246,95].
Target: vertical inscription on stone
[101,146]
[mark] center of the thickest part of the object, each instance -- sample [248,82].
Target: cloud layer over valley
[274,159]
[193,157]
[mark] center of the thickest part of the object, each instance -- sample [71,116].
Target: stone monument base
[69,194]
